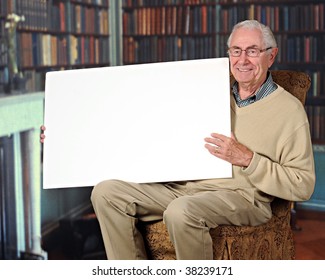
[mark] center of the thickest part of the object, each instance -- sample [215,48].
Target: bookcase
[168,30]
[59,34]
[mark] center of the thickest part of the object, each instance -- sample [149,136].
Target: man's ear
[273,56]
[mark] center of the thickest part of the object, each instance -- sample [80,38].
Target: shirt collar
[268,87]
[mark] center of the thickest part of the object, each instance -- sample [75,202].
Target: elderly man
[270,151]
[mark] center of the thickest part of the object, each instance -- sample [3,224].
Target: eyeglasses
[251,52]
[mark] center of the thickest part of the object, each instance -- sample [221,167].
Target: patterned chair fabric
[272,241]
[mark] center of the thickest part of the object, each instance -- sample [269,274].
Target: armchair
[273,240]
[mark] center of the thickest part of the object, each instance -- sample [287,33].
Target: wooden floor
[310,239]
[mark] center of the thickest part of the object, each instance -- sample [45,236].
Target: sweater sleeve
[292,175]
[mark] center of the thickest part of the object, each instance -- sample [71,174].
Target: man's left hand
[229,149]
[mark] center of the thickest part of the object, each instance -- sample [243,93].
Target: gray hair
[267,34]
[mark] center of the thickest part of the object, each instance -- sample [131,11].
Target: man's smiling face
[250,71]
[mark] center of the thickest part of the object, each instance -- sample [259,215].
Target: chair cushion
[273,240]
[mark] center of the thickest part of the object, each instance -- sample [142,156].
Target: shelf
[65,66]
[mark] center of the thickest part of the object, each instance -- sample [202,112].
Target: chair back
[297,83]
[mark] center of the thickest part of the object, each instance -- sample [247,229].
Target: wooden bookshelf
[167,30]
[60,34]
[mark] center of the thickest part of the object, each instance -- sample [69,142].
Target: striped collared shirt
[267,88]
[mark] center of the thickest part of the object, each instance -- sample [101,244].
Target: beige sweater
[276,128]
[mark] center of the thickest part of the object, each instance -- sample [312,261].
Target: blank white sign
[139,123]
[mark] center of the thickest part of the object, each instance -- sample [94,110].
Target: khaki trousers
[188,209]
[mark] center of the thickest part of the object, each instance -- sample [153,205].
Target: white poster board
[139,123]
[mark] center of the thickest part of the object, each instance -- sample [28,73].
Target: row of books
[292,49]
[88,20]
[79,19]
[317,87]
[158,49]
[37,49]
[281,18]
[35,80]
[88,50]
[209,18]
[4,72]
[170,20]
[6,7]
[236,2]
[4,78]
[36,13]
[63,16]
[142,3]
[3,53]
[316,117]
[301,49]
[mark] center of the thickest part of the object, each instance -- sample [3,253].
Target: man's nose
[243,55]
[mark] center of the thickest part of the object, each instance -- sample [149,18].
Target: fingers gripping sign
[228,149]
[42,135]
